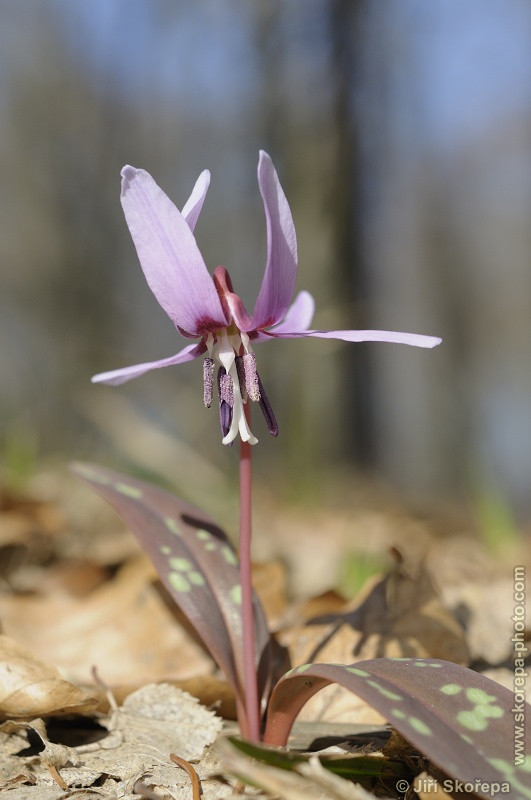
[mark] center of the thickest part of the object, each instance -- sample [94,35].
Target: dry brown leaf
[124,628]
[487,609]
[75,577]
[188,726]
[13,740]
[51,755]
[330,602]
[30,687]
[270,581]
[399,615]
[335,644]
[210,690]
[154,722]
[28,522]
[408,618]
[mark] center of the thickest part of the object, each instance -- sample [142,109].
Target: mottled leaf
[196,562]
[465,723]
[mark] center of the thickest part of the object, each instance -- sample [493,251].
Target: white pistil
[224,349]
[226,353]
[239,422]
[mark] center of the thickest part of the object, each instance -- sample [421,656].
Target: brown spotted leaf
[465,723]
[196,562]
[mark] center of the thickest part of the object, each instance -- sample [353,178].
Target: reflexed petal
[281,266]
[395,337]
[117,376]
[299,316]
[193,207]
[169,256]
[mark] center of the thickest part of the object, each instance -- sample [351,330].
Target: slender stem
[249,664]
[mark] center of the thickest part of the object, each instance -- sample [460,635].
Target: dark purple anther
[225,410]
[267,411]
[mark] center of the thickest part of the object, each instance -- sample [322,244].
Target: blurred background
[401,132]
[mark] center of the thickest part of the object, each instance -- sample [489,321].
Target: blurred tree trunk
[352,285]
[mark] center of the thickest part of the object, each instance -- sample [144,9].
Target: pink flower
[207,308]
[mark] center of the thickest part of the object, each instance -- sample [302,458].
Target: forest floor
[91,643]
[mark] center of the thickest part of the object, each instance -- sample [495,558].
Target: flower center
[237,378]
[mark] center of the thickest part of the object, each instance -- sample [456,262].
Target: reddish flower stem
[249,663]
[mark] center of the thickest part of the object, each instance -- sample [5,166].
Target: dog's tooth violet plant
[207,308]
[195,559]
[460,720]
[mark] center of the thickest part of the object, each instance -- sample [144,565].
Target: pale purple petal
[193,207]
[299,316]
[394,337]
[281,266]
[169,256]
[117,376]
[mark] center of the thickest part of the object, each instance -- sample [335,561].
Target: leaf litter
[106,611]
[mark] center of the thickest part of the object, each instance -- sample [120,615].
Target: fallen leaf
[30,687]
[154,722]
[330,602]
[188,726]
[124,628]
[486,608]
[399,615]
[208,689]
[270,582]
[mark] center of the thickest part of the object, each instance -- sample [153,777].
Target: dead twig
[192,774]
[55,775]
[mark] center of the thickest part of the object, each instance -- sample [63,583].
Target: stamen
[267,411]
[226,389]
[208,381]
[251,382]
[225,410]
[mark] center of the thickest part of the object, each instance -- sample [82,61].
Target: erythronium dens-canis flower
[205,307]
